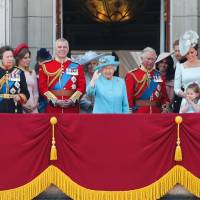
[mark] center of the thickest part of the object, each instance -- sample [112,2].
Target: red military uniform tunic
[50,75]
[138,82]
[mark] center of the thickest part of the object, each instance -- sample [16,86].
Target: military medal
[72,71]
[158,88]
[12,91]
[157,94]
[73,79]
[157,79]
[17,84]
[73,86]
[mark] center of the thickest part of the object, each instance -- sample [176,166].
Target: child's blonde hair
[195,87]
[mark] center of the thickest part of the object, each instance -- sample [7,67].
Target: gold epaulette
[50,96]
[142,81]
[136,79]
[135,69]
[50,73]
[45,61]
[76,96]
[56,74]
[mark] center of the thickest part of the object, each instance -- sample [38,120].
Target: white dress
[190,109]
[185,76]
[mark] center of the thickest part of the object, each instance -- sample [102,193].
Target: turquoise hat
[105,61]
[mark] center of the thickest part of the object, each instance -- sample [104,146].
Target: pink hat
[162,56]
[19,48]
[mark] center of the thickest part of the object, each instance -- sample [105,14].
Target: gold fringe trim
[52,175]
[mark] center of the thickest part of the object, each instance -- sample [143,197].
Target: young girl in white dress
[191,103]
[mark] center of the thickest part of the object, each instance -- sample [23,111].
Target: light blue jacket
[110,95]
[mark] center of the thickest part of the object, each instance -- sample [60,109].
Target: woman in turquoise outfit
[109,91]
[188,71]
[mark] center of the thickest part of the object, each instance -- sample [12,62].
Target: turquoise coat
[110,95]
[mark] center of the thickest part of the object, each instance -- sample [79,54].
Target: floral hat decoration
[105,61]
[187,40]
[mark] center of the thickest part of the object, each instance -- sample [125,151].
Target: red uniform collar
[61,62]
[143,68]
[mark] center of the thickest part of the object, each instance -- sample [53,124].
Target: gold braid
[7,86]
[49,73]
[2,81]
[56,74]
[143,81]
[55,77]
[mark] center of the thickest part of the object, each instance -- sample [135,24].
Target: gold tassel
[53,153]
[178,151]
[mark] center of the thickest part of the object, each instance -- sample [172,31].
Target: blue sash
[65,77]
[151,88]
[3,89]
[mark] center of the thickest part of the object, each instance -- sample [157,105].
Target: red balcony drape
[101,155]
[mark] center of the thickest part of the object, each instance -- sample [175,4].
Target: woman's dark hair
[42,55]
[170,71]
[3,49]
[176,43]
[184,59]
[21,54]
[196,47]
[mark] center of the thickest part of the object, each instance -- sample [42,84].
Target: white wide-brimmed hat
[88,57]
[163,56]
[187,40]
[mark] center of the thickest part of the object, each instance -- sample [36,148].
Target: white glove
[94,78]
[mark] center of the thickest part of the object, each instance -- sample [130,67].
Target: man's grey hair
[147,50]
[62,40]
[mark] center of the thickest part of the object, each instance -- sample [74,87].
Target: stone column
[41,15]
[19,22]
[184,17]
[5,22]
[32,22]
